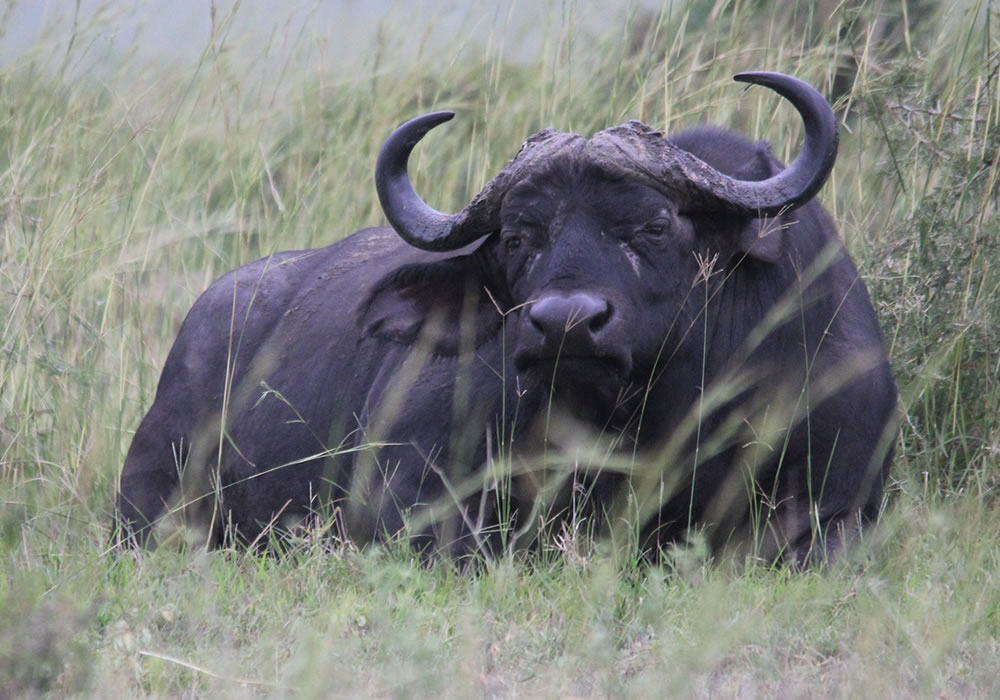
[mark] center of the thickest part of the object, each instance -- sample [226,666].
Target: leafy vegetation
[125,188]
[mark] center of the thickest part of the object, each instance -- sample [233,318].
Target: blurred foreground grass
[126,188]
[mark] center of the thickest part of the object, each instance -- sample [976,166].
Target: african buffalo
[634,333]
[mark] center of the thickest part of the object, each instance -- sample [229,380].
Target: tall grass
[127,187]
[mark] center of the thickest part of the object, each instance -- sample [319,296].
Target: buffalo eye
[518,232]
[511,243]
[654,228]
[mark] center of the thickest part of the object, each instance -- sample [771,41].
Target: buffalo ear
[737,237]
[442,306]
[762,239]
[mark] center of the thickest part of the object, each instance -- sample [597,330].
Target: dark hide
[604,358]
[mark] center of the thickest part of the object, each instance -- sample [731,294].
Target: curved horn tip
[767,78]
[426,122]
[437,117]
[751,76]
[409,133]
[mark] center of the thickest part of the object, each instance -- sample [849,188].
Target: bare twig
[937,113]
[213,674]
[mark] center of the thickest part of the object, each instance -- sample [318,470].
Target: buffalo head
[597,241]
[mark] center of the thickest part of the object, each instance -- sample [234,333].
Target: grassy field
[126,187]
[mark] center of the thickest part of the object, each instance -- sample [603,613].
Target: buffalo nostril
[598,320]
[577,314]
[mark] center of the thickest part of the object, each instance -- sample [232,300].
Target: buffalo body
[594,340]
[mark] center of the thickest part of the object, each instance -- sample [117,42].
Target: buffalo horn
[630,150]
[417,223]
[424,227]
[636,150]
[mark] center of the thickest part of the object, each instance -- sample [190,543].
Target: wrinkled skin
[388,385]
